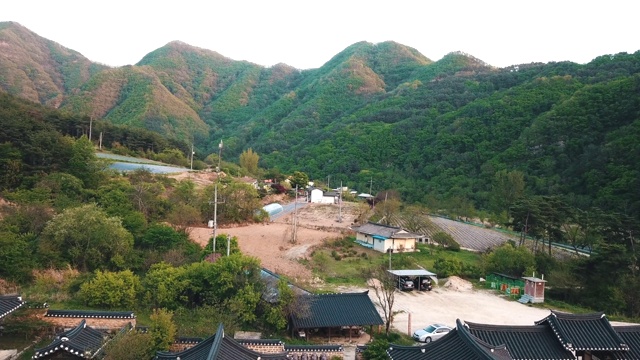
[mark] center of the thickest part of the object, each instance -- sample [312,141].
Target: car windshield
[430,329]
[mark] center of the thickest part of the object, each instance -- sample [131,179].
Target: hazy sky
[306,34]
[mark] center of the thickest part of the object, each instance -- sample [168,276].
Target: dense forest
[375,116]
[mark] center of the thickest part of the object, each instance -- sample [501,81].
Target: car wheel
[427,340]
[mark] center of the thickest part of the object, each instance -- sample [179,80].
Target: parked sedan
[405,284]
[431,332]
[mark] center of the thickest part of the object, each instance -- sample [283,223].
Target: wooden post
[409,325]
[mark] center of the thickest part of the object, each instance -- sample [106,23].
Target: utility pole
[90,125]
[215,198]
[192,153]
[340,202]
[228,244]
[294,239]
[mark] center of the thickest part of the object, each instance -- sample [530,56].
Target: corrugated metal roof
[386,231]
[333,310]
[416,272]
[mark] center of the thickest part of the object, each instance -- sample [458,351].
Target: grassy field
[342,262]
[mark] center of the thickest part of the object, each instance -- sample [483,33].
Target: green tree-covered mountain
[375,115]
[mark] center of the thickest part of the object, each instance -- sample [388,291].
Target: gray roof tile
[523,342]
[218,347]
[584,331]
[90,314]
[81,341]
[9,304]
[631,336]
[333,310]
[386,231]
[457,344]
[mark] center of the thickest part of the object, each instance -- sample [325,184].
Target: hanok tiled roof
[314,348]
[457,344]
[267,342]
[90,314]
[81,341]
[584,332]
[9,304]
[271,280]
[218,347]
[631,336]
[333,310]
[523,342]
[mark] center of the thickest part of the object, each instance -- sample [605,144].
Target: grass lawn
[342,261]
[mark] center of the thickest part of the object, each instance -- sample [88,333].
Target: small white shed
[315,196]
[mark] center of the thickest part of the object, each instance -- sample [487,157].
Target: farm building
[385,238]
[315,196]
[273,209]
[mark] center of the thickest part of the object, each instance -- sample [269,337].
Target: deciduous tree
[86,238]
[249,161]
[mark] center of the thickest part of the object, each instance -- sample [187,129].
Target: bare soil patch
[271,242]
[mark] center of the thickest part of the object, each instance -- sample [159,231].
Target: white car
[431,332]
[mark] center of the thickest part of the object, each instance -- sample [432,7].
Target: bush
[447,267]
[115,290]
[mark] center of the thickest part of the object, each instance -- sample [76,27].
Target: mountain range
[375,116]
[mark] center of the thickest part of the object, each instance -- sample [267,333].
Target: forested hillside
[375,116]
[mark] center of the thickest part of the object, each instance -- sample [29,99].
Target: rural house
[386,238]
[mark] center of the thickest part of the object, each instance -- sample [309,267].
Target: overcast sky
[306,34]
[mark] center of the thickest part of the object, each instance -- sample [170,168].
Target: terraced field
[470,237]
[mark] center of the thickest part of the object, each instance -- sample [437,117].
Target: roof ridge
[475,343]
[494,327]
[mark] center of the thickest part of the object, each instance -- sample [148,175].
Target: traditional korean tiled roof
[631,336]
[271,280]
[523,342]
[270,342]
[314,348]
[90,314]
[218,347]
[81,341]
[584,331]
[457,344]
[9,304]
[333,310]
[186,340]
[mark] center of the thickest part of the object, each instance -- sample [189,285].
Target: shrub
[111,289]
[447,267]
